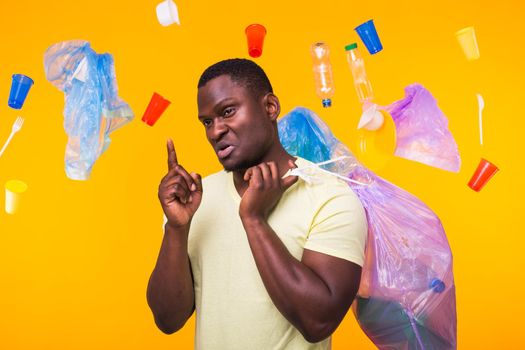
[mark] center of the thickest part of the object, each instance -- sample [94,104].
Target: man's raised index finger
[172,156]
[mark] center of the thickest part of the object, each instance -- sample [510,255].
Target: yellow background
[74,263]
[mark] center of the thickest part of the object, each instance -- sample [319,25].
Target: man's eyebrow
[219,104]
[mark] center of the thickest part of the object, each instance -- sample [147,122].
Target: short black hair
[241,71]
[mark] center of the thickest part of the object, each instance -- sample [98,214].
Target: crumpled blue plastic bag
[92,109]
[406,298]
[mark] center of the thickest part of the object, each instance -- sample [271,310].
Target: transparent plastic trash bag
[406,298]
[422,130]
[92,109]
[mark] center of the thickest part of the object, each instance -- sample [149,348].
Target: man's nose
[218,129]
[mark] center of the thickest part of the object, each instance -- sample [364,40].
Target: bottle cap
[327,103]
[437,285]
[350,46]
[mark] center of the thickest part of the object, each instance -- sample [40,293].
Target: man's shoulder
[325,187]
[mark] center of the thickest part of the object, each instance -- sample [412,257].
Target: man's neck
[277,155]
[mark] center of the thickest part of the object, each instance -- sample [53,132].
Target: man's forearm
[300,295]
[170,289]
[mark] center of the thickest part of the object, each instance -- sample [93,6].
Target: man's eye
[206,122]
[228,111]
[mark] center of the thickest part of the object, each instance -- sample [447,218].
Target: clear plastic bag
[422,130]
[406,299]
[92,109]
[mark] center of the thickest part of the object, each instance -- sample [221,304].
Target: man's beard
[243,165]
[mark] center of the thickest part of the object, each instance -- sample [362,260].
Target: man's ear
[272,105]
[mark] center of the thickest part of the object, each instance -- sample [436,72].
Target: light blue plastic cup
[368,34]
[19,88]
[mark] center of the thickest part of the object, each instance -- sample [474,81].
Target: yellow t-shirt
[233,308]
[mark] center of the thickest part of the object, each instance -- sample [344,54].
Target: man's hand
[180,193]
[264,190]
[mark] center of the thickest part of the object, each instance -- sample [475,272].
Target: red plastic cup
[255,34]
[482,175]
[157,105]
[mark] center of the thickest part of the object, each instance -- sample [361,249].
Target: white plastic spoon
[481,106]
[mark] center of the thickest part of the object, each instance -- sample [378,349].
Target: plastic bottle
[357,67]
[324,82]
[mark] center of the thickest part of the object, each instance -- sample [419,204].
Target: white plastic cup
[371,119]
[167,13]
[13,193]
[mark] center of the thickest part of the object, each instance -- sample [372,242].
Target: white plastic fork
[17,125]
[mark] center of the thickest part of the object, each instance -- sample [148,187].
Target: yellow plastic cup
[467,40]
[13,192]
[375,149]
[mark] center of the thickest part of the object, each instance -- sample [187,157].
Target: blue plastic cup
[368,34]
[19,88]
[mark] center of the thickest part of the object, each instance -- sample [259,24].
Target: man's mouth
[225,152]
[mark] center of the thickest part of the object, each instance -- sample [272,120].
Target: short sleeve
[339,227]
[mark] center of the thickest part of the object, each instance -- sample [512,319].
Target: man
[268,261]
